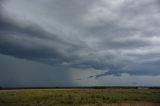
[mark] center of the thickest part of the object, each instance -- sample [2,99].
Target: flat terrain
[80,97]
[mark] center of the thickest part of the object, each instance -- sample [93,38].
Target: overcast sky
[79,43]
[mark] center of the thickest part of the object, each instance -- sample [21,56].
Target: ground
[80,97]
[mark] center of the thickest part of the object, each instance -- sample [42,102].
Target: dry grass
[80,97]
[125,104]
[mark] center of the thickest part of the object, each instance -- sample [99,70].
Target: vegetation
[76,97]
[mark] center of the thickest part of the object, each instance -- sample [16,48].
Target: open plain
[80,97]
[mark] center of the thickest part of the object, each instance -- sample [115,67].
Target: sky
[47,43]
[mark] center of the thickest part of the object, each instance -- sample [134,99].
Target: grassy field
[80,97]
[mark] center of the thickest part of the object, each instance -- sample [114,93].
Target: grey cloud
[91,76]
[109,73]
[115,36]
[30,42]
[144,69]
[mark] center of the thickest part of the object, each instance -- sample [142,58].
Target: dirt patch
[125,104]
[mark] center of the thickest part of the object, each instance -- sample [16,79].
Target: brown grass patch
[125,104]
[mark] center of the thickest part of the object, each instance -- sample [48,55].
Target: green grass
[75,97]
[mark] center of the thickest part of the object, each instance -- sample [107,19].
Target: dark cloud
[116,73]
[116,36]
[29,42]
[145,69]
[91,76]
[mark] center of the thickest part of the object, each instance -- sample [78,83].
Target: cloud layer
[118,36]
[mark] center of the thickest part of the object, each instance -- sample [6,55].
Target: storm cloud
[117,37]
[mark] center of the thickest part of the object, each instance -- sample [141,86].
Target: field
[80,97]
